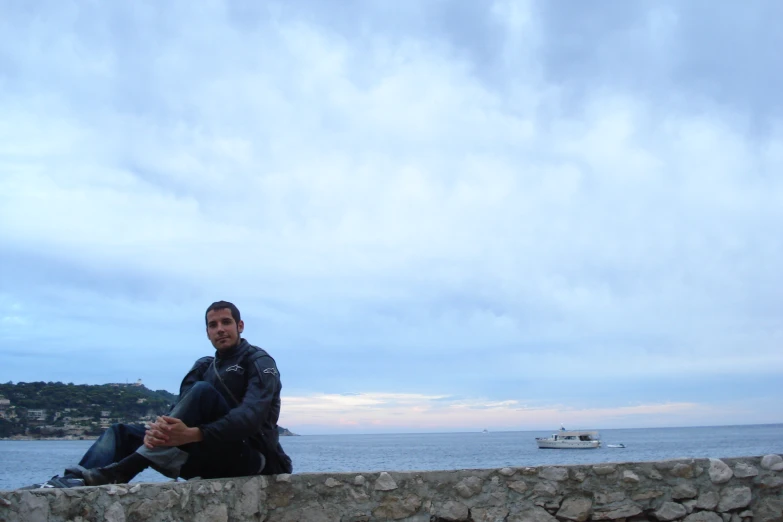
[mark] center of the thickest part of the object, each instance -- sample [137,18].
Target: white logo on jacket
[235,368]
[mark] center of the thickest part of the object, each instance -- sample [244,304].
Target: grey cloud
[693,55]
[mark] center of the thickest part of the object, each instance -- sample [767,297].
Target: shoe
[117,473]
[59,482]
[111,474]
[75,471]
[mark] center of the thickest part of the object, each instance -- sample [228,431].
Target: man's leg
[214,460]
[202,404]
[116,443]
[237,459]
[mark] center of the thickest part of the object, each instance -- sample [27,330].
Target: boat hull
[568,444]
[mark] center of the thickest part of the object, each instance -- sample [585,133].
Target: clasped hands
[168,432]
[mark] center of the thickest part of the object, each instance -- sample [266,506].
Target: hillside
[74,410]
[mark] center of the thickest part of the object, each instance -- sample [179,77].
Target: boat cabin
[576,435]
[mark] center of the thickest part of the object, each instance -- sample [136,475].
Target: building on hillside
[4,405]
[8,414]
[123,384]
[36,415]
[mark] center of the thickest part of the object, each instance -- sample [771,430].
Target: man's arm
[263,385]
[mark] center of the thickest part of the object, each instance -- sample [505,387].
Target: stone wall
[693,490]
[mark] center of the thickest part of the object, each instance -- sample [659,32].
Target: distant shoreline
[86,437]
[93,437]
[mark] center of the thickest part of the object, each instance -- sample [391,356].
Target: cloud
[379,412]
[439,200]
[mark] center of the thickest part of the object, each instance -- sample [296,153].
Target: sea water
[27,462]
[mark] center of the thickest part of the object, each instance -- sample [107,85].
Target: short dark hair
[222,305]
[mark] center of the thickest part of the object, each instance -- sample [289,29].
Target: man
[224,424]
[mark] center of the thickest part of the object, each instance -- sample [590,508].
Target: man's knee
[199,393]
[202,387]
[115,430]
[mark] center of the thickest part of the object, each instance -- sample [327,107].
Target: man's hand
[156,434]
[168,432]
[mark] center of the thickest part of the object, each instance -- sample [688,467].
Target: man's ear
[241,326]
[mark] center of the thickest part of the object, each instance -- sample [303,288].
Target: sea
[26,462]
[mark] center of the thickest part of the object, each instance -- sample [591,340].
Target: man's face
[222,330]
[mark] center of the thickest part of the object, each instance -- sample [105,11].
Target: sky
[435,215]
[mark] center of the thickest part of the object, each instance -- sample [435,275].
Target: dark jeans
[202,404]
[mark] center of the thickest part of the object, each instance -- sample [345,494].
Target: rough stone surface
[556,474]
[452,511]
[115,513]
[575,508]
[769,482]
[742,470]
[670,511]
[683,491]
[704,516]
[469,487]
[769,510]
[602,470]
[617,511]
[490,514]
[385,482]
[518,485]
[395,507]
[212,513]
[734,498]
[629,477]
[545,489]
[720,472]
[771,461]
[609,497]
[578,493]
[532,515]
[682,470]
[708,500]
[251,499]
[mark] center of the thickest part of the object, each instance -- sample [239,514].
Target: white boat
[569,439]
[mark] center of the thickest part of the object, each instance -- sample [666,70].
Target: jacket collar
[224,354]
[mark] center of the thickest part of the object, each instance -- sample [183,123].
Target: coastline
[91,437]
[70,437]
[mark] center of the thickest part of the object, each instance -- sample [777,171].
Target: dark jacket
[251,386]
